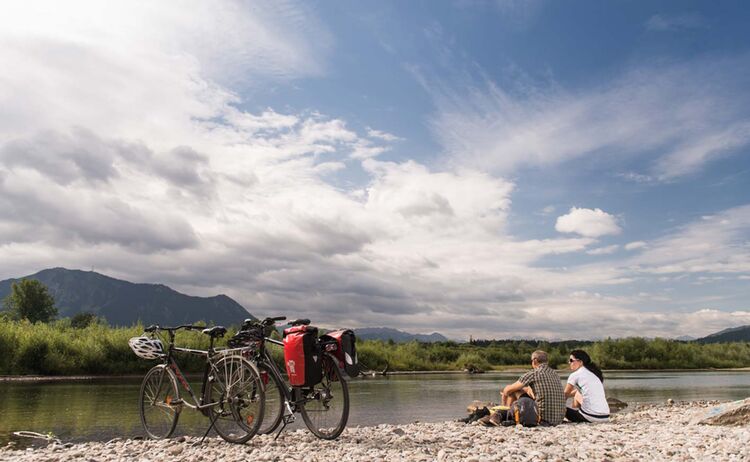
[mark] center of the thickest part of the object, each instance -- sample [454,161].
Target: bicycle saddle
[299,322]
[216,331]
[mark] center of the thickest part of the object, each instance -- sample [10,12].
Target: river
[102,409]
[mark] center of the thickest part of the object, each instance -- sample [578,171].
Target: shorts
[578,416]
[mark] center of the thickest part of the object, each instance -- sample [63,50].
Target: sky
[499,169]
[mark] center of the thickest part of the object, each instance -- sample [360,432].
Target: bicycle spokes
[325,406]
[159,412]
[237,391]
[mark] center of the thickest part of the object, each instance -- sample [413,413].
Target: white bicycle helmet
[146,348]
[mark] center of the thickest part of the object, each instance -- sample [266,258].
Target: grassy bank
[627,353]
[60,349]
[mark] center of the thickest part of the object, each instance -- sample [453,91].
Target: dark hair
[588,363]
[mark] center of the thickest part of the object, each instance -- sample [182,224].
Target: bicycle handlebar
[155,327]
[265,323]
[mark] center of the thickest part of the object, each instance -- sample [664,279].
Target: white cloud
[688,157]
[713,244]
[635,245]
[662,23]
[587,222]
[548,210]
[145,70]
[687,114]
[372,133]
[607,250]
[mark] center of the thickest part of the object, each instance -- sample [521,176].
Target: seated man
[543,385]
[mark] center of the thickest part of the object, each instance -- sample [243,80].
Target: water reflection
[104,409]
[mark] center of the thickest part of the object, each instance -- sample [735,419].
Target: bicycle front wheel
[274,405]
[237,391]
[325,408]
[158,392]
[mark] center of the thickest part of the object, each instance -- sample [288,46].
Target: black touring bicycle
[317,370]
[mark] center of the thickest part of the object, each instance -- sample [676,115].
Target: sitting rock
[471,369]
[735,413]
[615,405]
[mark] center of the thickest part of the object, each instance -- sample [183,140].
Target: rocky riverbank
[646,432]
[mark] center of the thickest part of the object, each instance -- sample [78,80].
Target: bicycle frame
[252,339]
[171,363]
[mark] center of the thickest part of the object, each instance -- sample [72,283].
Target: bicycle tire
[158,416]
[237,388]
[317,404]
[273,409]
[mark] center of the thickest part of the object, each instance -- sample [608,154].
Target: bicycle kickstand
[213,421]
[286,419]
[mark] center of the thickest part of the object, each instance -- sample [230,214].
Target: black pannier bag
[346,352]
[302,356]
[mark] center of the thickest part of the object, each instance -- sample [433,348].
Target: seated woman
[586,387]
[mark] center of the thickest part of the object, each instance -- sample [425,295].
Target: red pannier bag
[346,351]
[302,356]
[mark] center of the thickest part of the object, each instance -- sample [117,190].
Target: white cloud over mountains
[124,146]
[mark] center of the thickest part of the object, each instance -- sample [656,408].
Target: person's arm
[512,388]
[570,390]
[571,386]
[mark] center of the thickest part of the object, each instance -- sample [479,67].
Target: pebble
[647,432]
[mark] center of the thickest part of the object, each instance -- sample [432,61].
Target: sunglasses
[571,360]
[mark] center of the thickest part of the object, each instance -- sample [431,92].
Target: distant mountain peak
[732,334]
[125,303]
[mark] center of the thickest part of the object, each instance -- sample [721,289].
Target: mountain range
[387,333]
[733,334]
[123,303]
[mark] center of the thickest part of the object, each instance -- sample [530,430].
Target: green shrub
[31,356]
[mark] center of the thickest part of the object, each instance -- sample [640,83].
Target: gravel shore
[646,432]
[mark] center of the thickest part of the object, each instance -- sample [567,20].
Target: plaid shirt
[548,391]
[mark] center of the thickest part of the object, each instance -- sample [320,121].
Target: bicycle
[324,407]
[231,395]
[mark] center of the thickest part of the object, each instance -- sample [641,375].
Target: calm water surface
[104,409]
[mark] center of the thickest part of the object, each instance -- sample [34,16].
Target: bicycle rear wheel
[326,405]
[237,390]
[158,391]
[273,409]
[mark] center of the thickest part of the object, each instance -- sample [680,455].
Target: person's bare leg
[513,397]
[508,399]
